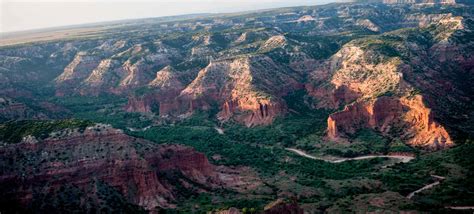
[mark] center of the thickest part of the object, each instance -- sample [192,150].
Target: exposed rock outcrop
[257,60]
[306,18]
[408,116]
[247,89]
[12,110]
[262,111]
[280,206]
[368,24]
[79,69]
[166,79]
[274,42]
[144,173]
[353,75]
[231,210]
[162,97]
[143,104]
[107,70]
[376,81]
[99,75]
[136,74]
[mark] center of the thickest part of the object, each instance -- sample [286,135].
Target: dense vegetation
[339,187]
[263,149]
[15,131]
[67,199]
[103,109]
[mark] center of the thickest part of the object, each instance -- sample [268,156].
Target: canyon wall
[144,173]
[391,87]
[409,118]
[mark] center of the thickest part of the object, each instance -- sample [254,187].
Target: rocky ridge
[243,73]
[375,86]
[145,174]
[250,85]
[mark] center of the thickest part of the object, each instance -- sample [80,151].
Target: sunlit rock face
[242,70]
[379,83]
[247,89]
[408,116]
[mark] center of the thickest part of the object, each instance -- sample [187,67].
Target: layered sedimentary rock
[262,111]
[136,74]
[380,86]
[12,110]
[144,173]
[256,61]
[166,79]
[408,116]
[274,42]
[162,97]
[99,75]
[231,210]
[353,75]
[280,206]
[247,89]
[143,104]
[105,69]
[368,24]
[79,69]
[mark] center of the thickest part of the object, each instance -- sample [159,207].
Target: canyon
[198,113]
[250,89]
[101,158]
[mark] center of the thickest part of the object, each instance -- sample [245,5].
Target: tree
[252,210]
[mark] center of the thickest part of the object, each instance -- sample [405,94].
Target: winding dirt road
[461,208]
[429,186]
[403,159]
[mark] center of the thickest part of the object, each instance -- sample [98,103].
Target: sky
[20,15]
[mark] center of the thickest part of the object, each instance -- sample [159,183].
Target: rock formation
[143,104]
[162,96]
[144,173]
[79,69]
[274,42]
[166,79]
[242,69]
[12,110]
[376,82]
[409,116]
[280,206]
[247,89]
[231,210]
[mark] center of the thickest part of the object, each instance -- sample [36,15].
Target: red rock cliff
[145,173]
[247,89]
[408,115]
[280,206]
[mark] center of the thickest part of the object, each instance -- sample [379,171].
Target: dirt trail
[219,130]
[429,186]
[403,159]
[461,208]
[138,130]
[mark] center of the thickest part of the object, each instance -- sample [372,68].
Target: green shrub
[14,131]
